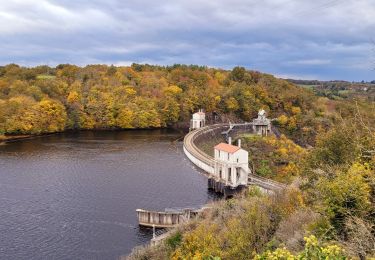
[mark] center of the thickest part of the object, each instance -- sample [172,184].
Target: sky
[301,39]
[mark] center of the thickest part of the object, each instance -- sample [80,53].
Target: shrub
[174,240]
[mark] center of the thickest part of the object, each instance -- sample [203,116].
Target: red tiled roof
[227,148]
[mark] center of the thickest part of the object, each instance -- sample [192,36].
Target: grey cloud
[322,38]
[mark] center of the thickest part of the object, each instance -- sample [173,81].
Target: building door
[230,174]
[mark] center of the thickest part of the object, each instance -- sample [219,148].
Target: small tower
[231,164]
[262,114]
[198,120]
[261,124]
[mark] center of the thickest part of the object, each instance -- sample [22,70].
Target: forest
[45,100]
[326,152]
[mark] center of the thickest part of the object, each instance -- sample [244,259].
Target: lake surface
[74,195]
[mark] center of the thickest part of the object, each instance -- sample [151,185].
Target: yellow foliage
[20,101]
[292,123]
[130,91]
[331,251]
[51,116]
[232,104]
[119,76]
[285,147]
[125,118]
[201,243]
[283,120]
[282,151]
[278,254]
[172,90]
[73,97]
[284,155]
[86,122]
[347,186]
[219,76]
[271,140]
[313,250]
[296,110]
[290,169]
[45,116]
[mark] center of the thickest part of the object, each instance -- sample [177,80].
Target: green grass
[249,137]
[345,92]
[45,77]
[306,86]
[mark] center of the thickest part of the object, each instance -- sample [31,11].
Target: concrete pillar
[239,143]
[229,140]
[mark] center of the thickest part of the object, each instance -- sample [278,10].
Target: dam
[228,171]
[207,163]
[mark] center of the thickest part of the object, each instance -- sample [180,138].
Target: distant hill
[339,89]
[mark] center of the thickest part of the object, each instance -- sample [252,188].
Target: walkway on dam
[207,162]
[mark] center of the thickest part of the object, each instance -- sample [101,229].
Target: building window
[220,173]
[237,159]
[228,156]
[230,174]
[238,174]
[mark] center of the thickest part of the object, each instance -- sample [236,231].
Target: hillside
[338,89]
[326,213]
[45,100]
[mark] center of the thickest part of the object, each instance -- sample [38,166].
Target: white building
[231,164]
[198,120]
[261,124]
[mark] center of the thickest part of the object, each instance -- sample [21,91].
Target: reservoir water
[74,195]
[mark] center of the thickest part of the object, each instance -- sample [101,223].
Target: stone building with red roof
[231,164]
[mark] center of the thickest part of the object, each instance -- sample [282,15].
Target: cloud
[27,17]
[309,62]
[326,38]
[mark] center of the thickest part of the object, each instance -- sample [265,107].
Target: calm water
[73,196]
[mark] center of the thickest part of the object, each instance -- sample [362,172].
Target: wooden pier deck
[166,219]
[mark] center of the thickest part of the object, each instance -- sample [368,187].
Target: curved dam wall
[201,165]
[195,155]
[207,163]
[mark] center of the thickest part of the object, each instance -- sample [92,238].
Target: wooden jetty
[166,219]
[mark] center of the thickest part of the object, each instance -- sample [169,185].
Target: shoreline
[14,138]
[7,139]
